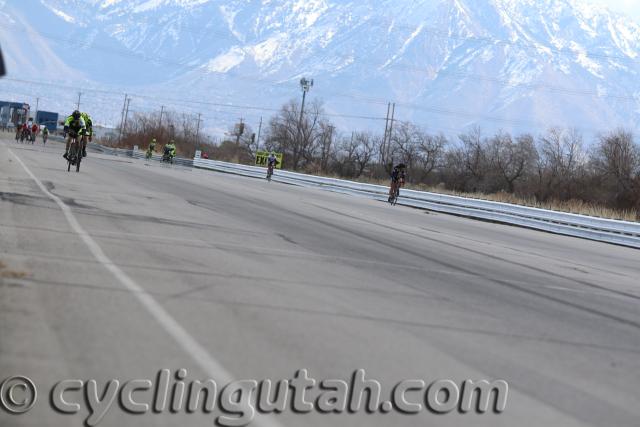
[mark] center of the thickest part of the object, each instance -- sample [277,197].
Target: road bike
[269,173]
[167,157]
[24,134]
[74,157]
[393,200]
[395,193]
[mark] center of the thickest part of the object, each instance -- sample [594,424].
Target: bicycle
[167,157]
[395,192]
[269,172]
[25,134]
[74,157]
[393,199]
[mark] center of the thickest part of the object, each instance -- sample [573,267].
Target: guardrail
[605,230]
[138,154]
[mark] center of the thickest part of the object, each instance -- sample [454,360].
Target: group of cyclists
[168,152]
[29,132]
[79,127]
[398,177]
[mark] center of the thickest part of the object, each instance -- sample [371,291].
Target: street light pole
[306,86]
[259,131]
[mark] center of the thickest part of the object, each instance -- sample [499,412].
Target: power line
[190,101]
[426,108]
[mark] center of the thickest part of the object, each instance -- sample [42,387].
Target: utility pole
[126,115]
[383,152]
[393,115]
[160,124]
[326,149]
[79,97]
[124,107]
[258,140]
[198,131]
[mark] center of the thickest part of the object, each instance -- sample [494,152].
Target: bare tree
[366,146]
[473,153]
[325,144]
[297,142]
[406,139]
[617,160]
[513,160]
[431,150]
[180,127]
[561,157]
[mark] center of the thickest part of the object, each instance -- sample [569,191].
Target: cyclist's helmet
[76,114]
[401,166]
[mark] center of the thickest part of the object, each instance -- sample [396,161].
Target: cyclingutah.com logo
[239,402]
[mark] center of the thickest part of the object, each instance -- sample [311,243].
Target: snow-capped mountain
[520,65]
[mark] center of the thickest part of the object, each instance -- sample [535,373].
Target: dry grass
[570,206]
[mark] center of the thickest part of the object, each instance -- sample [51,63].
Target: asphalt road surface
[127,268]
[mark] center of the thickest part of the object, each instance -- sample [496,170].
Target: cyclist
[34,132]
[26,132]
[397,180]
[151,149]
[170,150]
[45,134]
[18,131]
[272,162]
[74,126]
[88,133]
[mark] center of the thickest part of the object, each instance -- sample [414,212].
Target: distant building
[48,119]
[13,112]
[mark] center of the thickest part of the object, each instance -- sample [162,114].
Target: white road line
[189,344]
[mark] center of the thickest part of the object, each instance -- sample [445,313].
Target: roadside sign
[262,156]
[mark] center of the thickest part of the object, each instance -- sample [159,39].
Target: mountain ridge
[449,64]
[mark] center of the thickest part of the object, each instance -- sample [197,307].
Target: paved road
[129,268]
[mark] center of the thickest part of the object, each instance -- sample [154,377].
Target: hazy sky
[629,7]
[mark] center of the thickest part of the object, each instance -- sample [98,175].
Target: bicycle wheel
[70,155]
[396,195]
[78,156]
